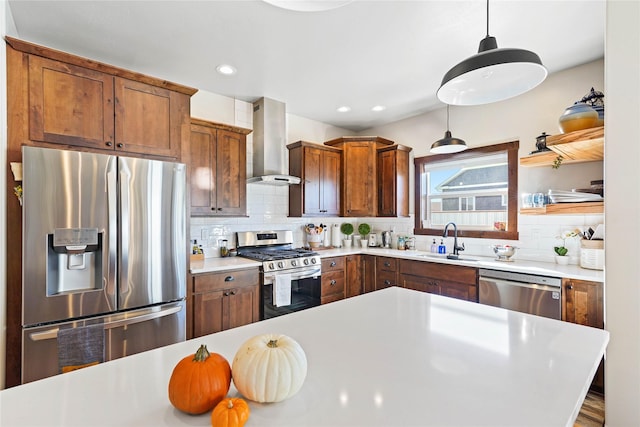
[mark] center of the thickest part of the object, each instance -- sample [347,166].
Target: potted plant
[562,251]
[364,229]
[347,229]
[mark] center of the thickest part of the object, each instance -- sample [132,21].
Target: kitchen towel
[282,290]
[80,347]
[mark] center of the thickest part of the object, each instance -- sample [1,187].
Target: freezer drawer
[125,334]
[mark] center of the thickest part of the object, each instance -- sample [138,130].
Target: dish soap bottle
[434,247]
[442,249]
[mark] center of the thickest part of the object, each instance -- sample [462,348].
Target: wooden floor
[592,412]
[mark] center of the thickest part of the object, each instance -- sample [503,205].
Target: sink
[446,256]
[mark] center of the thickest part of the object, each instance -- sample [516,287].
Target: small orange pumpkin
[230,412]
[199,382]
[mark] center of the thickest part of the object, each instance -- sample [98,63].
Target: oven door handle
[295,276]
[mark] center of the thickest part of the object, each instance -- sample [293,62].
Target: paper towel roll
[327,237]
[336,236]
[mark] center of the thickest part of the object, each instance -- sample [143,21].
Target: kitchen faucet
[456,248]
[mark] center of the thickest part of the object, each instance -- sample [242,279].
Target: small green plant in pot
[347,229]
[364,229]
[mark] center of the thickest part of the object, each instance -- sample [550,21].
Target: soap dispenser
[442,249]
[434,247]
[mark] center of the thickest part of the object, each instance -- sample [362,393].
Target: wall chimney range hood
[269,144]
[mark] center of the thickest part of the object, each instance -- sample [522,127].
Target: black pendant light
[448,144]
[492,74]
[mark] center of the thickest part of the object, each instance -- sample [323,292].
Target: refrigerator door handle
[125,180]
[143,317]
[149,315]
[112,215]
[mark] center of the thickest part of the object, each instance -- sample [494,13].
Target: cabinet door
[393,182]
[202,167]
[359,190]
[458,290]
[242,306]
[231,174]
[208,313]
[353,276]
[584,303]
[143,117]
[69,104]
[330,183]
[312,181]
[422,284]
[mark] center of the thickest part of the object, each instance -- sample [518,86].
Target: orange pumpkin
[199,382]
[230,412]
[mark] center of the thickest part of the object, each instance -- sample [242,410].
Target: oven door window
[305,293]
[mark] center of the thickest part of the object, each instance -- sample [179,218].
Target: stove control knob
[313,261]
[281,264]
[271,266]
[294,263]
[306,261]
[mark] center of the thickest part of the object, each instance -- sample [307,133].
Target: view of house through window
[474,189]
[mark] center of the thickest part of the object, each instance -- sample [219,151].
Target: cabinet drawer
[386,264]
[449,272]
[225,280]
[332,283]
[331,298]
[332,264]
[385,279]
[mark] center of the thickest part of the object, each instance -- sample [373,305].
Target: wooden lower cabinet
[386,272]
[354,283]
[443,279]
[225,300]
[333,272]
[583,303]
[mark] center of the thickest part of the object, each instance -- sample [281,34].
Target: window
[476,189]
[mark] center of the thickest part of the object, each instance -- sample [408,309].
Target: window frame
[511,149]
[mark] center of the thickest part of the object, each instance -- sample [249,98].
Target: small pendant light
[492,74]
[448,144]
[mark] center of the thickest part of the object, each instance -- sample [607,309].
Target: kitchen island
[390,357]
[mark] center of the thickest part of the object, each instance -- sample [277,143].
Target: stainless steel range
[290,276]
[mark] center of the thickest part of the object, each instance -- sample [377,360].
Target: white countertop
[391,357]
[531,267]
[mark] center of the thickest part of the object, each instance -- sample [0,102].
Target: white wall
[622,209]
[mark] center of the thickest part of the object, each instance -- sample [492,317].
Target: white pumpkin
[269,368]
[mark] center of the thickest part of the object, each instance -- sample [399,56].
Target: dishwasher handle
[500,282]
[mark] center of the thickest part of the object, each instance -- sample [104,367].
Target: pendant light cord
[448,117]
[487,18]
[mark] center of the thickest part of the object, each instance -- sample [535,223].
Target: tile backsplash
[268,208]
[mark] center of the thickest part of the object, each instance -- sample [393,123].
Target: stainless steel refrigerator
[104,258]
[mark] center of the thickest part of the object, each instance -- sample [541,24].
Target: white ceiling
[367,53]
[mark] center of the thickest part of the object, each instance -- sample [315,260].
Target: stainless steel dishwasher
[526,293]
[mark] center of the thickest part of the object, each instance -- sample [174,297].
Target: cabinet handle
[387,264]
[233,292]
[386,282]
[108,143]
[219,209]
[333,263]
[120,145]
[569,287]
[226,294]
[229,279]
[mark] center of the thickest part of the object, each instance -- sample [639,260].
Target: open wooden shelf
[566,208]
[575,147]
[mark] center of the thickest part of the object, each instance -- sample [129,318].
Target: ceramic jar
[577,117]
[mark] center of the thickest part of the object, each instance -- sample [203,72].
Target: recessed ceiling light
[226,69]
[378,108]
[344,109]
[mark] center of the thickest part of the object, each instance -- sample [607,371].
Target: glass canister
[224,248]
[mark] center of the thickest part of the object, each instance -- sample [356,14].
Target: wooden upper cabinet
[69,104]
[218,169]
[319,170]
[393,181]
[78,102]
[358,192]
[144,119]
